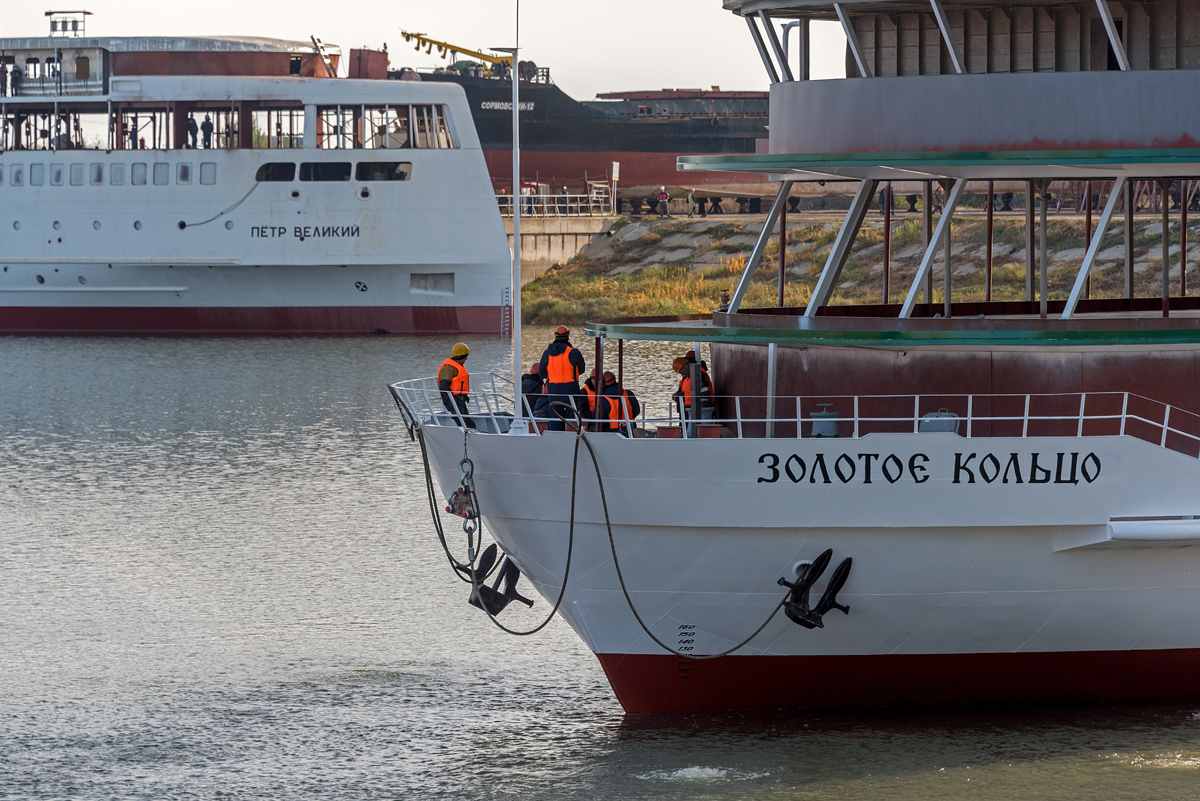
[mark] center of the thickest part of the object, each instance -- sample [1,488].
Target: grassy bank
[682,267]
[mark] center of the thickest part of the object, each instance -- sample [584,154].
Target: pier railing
[595,205]
[1079,414]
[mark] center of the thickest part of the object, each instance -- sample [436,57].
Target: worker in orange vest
[597,406]
[622,404]
[454,383]
[560,368]
[683,395]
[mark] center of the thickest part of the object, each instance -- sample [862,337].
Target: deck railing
[1075,414]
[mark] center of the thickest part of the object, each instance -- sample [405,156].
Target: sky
[590,47]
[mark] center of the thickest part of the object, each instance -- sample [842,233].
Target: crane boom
[445,48]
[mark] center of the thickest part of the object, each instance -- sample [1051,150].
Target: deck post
[841,247]
[1029,241]
[887,241]
[764,236]
[926,268]
[1089,257]
[1184,191]
[1128,200]
[772,356]
[987,277]
[947,273]
[927,231]
[1087,235]
[1043,248]
[1165,184]
[782,252]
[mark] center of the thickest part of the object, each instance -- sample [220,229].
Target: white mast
[518,406]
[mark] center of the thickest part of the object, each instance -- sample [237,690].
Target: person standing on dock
[691,198]
[454,383]
[560,368]
[663,200]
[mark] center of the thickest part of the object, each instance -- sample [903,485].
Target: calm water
[218,580]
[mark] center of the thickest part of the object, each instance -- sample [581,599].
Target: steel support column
[987,276]
[948,36]
[1043,249]
[926,267]
[1089,258]
[776,47]
[762,49]
[1087,237]
[782,252]
[841,247]
[927,232]
[1166,247]
[1114,40]
[852,40]
[764,237]
[947,273]
[887,242]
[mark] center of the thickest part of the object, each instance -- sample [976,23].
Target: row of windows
[283,171]
[75,174]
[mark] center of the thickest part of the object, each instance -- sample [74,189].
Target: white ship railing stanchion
[737,406]
[970,398]
[799,420]
[1082,406]
[1167,415]
[856,417]
[1025,422]
[916,414]
[1124,411]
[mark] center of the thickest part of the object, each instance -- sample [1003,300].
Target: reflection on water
[217,576]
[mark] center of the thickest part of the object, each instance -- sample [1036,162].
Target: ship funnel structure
[797,608]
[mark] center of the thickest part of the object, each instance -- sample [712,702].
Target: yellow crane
[447,50]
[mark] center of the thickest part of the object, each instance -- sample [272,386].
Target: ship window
[383,171]
[57,174]
[183,173]
[276,171]
[333,171]
[37,174]
[278,127]
[76,175]
[443,128]
[431,283]
[208,173]
[18,176]
[386,127]
[97,174]
[116,175]
[83,68]
[294,66]
[162,174]
[423,126]
[137,174]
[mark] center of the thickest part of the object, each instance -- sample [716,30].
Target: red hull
[637,169]
[654,683]
[296,320]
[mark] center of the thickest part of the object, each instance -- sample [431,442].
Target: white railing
[1076,414]
[595,205]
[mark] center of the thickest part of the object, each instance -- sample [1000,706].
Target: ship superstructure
[195,185]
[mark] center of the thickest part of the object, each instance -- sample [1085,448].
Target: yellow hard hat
[459,350]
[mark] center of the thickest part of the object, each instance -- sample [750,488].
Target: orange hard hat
[691,354]
[562,329]
[679,363]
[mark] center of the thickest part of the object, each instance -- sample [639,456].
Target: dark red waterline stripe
[665,683]
[248,320]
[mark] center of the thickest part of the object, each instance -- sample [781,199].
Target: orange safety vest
[618,409]
[559,369]
[591,396]
[685,386]
[461,383]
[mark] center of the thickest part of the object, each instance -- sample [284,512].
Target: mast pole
[518,406]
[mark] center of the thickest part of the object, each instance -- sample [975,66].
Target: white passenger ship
[971,502]
[298,203]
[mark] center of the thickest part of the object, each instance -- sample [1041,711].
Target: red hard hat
[534,368]
[609,378]
[562,329]
[691,354]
